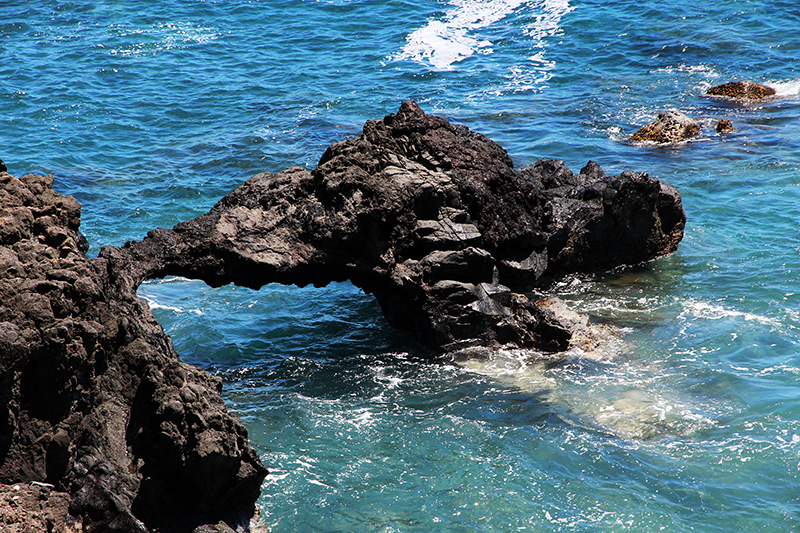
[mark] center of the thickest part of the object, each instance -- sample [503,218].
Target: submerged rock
[592,341]
[742,90]
[431,218]
[94,401]
[669,127]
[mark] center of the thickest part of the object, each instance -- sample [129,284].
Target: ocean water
[689,417]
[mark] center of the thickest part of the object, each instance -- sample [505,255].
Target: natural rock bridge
[433,220]
[106,429]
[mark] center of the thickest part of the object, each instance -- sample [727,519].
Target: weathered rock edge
[94,402]
[742,91]
[431,218]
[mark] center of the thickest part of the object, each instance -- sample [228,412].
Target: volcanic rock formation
[431,218]
[94,402]
[724,126]
[669,127]
[742,90]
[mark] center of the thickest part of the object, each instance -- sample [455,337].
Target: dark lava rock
[741,90]
[431,218]
[35,508]
[669,127]
[93,398]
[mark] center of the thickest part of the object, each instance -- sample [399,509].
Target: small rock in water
[724,126]
[741,90]
[669,127]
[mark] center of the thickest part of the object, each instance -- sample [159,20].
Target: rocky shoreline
[95,402]
[431,218]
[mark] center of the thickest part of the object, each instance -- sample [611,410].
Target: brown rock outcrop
[742,90]
[35,508]
[724,126]
[669,127]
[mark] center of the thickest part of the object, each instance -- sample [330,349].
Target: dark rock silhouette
[742,90]
[668,127]
[431,218]
[93,398]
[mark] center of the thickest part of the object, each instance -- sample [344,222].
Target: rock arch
[431,218]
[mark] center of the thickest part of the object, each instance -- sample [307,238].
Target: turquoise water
[149,112]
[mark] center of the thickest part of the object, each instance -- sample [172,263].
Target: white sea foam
[443,42]
[786,88]
[153,299]
[548,22]
[711,311]
[168,279]
[382,376]
[155,305]
[623,399]
[708,71]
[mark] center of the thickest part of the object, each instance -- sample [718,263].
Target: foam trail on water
[548,22]
[624,399]
[444,42]
[786,88]
[711,311]
[153,303]
[451,39]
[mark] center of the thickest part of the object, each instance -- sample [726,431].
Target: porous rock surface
[431,218]
[93,399]
[35,508]
[669,127]
[724,126]
[742,90]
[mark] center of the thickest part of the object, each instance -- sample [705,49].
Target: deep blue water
[149,112]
